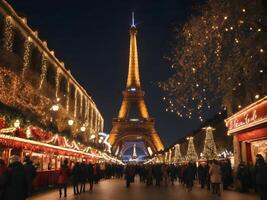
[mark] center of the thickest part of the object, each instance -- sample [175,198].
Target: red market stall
[249,130]
[47,155]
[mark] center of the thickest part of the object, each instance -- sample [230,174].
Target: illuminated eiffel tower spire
[134,151]
[133,80]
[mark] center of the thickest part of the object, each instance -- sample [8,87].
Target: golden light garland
[44,69]
[8,34]
[26,56]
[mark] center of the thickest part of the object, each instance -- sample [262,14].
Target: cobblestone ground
[116,190]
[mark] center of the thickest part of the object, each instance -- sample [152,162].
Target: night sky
[92,39]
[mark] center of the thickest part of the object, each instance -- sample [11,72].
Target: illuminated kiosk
[133,122]
[249,130]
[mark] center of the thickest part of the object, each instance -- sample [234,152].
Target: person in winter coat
[14,181]
[30,171]
[227,177]
[202,175]
[129,174]
[261,176]
[189,176]
[243,176]
[84,174]
[165,174]
[215,177]
[63,178]
[90,175]
[3,168]
[76,178]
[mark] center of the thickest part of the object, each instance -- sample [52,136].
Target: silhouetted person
[14,181]
[64,172]
[261,176]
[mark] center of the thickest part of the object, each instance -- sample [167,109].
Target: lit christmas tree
[209,151]
[191,152]
[219,60]
[177,154]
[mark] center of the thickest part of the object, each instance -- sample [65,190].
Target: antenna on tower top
[133,25]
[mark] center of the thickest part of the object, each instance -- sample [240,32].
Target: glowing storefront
[249,130]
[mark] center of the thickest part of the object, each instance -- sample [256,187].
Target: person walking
[83,176]
[3,168]
[14,181]
[202,174]
[243,176]
[64,172]
[261,176]
[30,171]
[165,174]
[76,173]
[90,176]
[189,175]
[129,175]
[173,173]
[215,177]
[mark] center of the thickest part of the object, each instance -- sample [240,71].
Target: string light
[8,34]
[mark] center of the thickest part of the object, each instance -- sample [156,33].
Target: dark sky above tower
[92,39]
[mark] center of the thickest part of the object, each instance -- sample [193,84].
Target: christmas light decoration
[26,56]
[213,59]
[44,68]
[209,152]
[177,154]
[191,154]
[8,34]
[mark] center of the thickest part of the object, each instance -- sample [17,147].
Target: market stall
[249,130]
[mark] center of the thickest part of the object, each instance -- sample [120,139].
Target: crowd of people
[82,173]
[16,179]
[213,175]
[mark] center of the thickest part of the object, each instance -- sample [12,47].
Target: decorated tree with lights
[191,154]
[177,153]
[209,151]
[219,59]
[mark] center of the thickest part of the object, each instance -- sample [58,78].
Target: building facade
[36,82]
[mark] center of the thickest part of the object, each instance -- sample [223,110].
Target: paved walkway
[116,190]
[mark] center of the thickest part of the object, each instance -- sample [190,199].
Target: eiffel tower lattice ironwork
[130,125]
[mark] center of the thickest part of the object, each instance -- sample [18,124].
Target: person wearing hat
[14,180]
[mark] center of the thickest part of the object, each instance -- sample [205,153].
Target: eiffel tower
[133,123]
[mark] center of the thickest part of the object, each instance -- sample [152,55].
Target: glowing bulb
[259,30]
[261,50]
[70,122]
[225,17]
[226,29]
[257,96]
[243,10]
[239,106]
[55,107]
[82,128]
[261,71]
